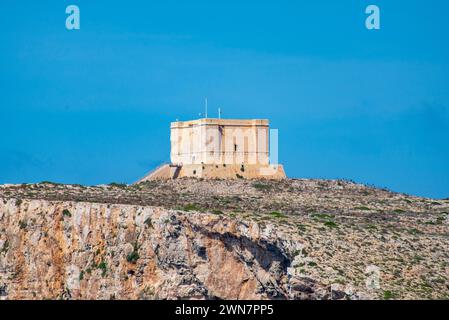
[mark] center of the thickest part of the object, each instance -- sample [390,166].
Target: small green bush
[261,186]
[22,224]
[5,246]
[276,214]
[191,207]
[322,216]
[362,208]
[134,255]
[388,295]
[103,267]
[330,224]
[148,223]
[118,185]
[66,213]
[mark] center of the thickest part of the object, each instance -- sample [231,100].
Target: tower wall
[219,141]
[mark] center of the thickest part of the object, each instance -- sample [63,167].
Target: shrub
[118,185]
[388,295]
[440,220]
[103,267]
[5,246]
[49,182]
[330,224]
[148,222]
[134,255]
[148,184]
[191,207]
[22,224]
[362,208]
[326,219]
[66,213]
[277,214]
[261,186]
[322,216]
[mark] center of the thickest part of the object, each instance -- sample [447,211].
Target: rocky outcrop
[99,251]
[109,248]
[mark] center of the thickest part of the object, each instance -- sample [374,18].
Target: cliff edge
[218,239]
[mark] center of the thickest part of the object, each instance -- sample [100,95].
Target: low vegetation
[134,255]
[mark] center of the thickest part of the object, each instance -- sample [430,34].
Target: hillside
[207,239]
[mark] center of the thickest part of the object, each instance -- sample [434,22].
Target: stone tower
[219,148]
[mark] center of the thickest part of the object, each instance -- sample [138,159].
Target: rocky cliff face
[100,251]
[119,242]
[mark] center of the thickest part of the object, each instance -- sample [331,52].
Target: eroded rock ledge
[99,251]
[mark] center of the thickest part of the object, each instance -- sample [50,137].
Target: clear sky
[93,105]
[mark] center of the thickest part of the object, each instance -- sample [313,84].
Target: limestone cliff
[235,240]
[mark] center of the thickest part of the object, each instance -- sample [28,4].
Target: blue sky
[94,105]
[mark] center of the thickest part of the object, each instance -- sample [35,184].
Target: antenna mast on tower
[205,107]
